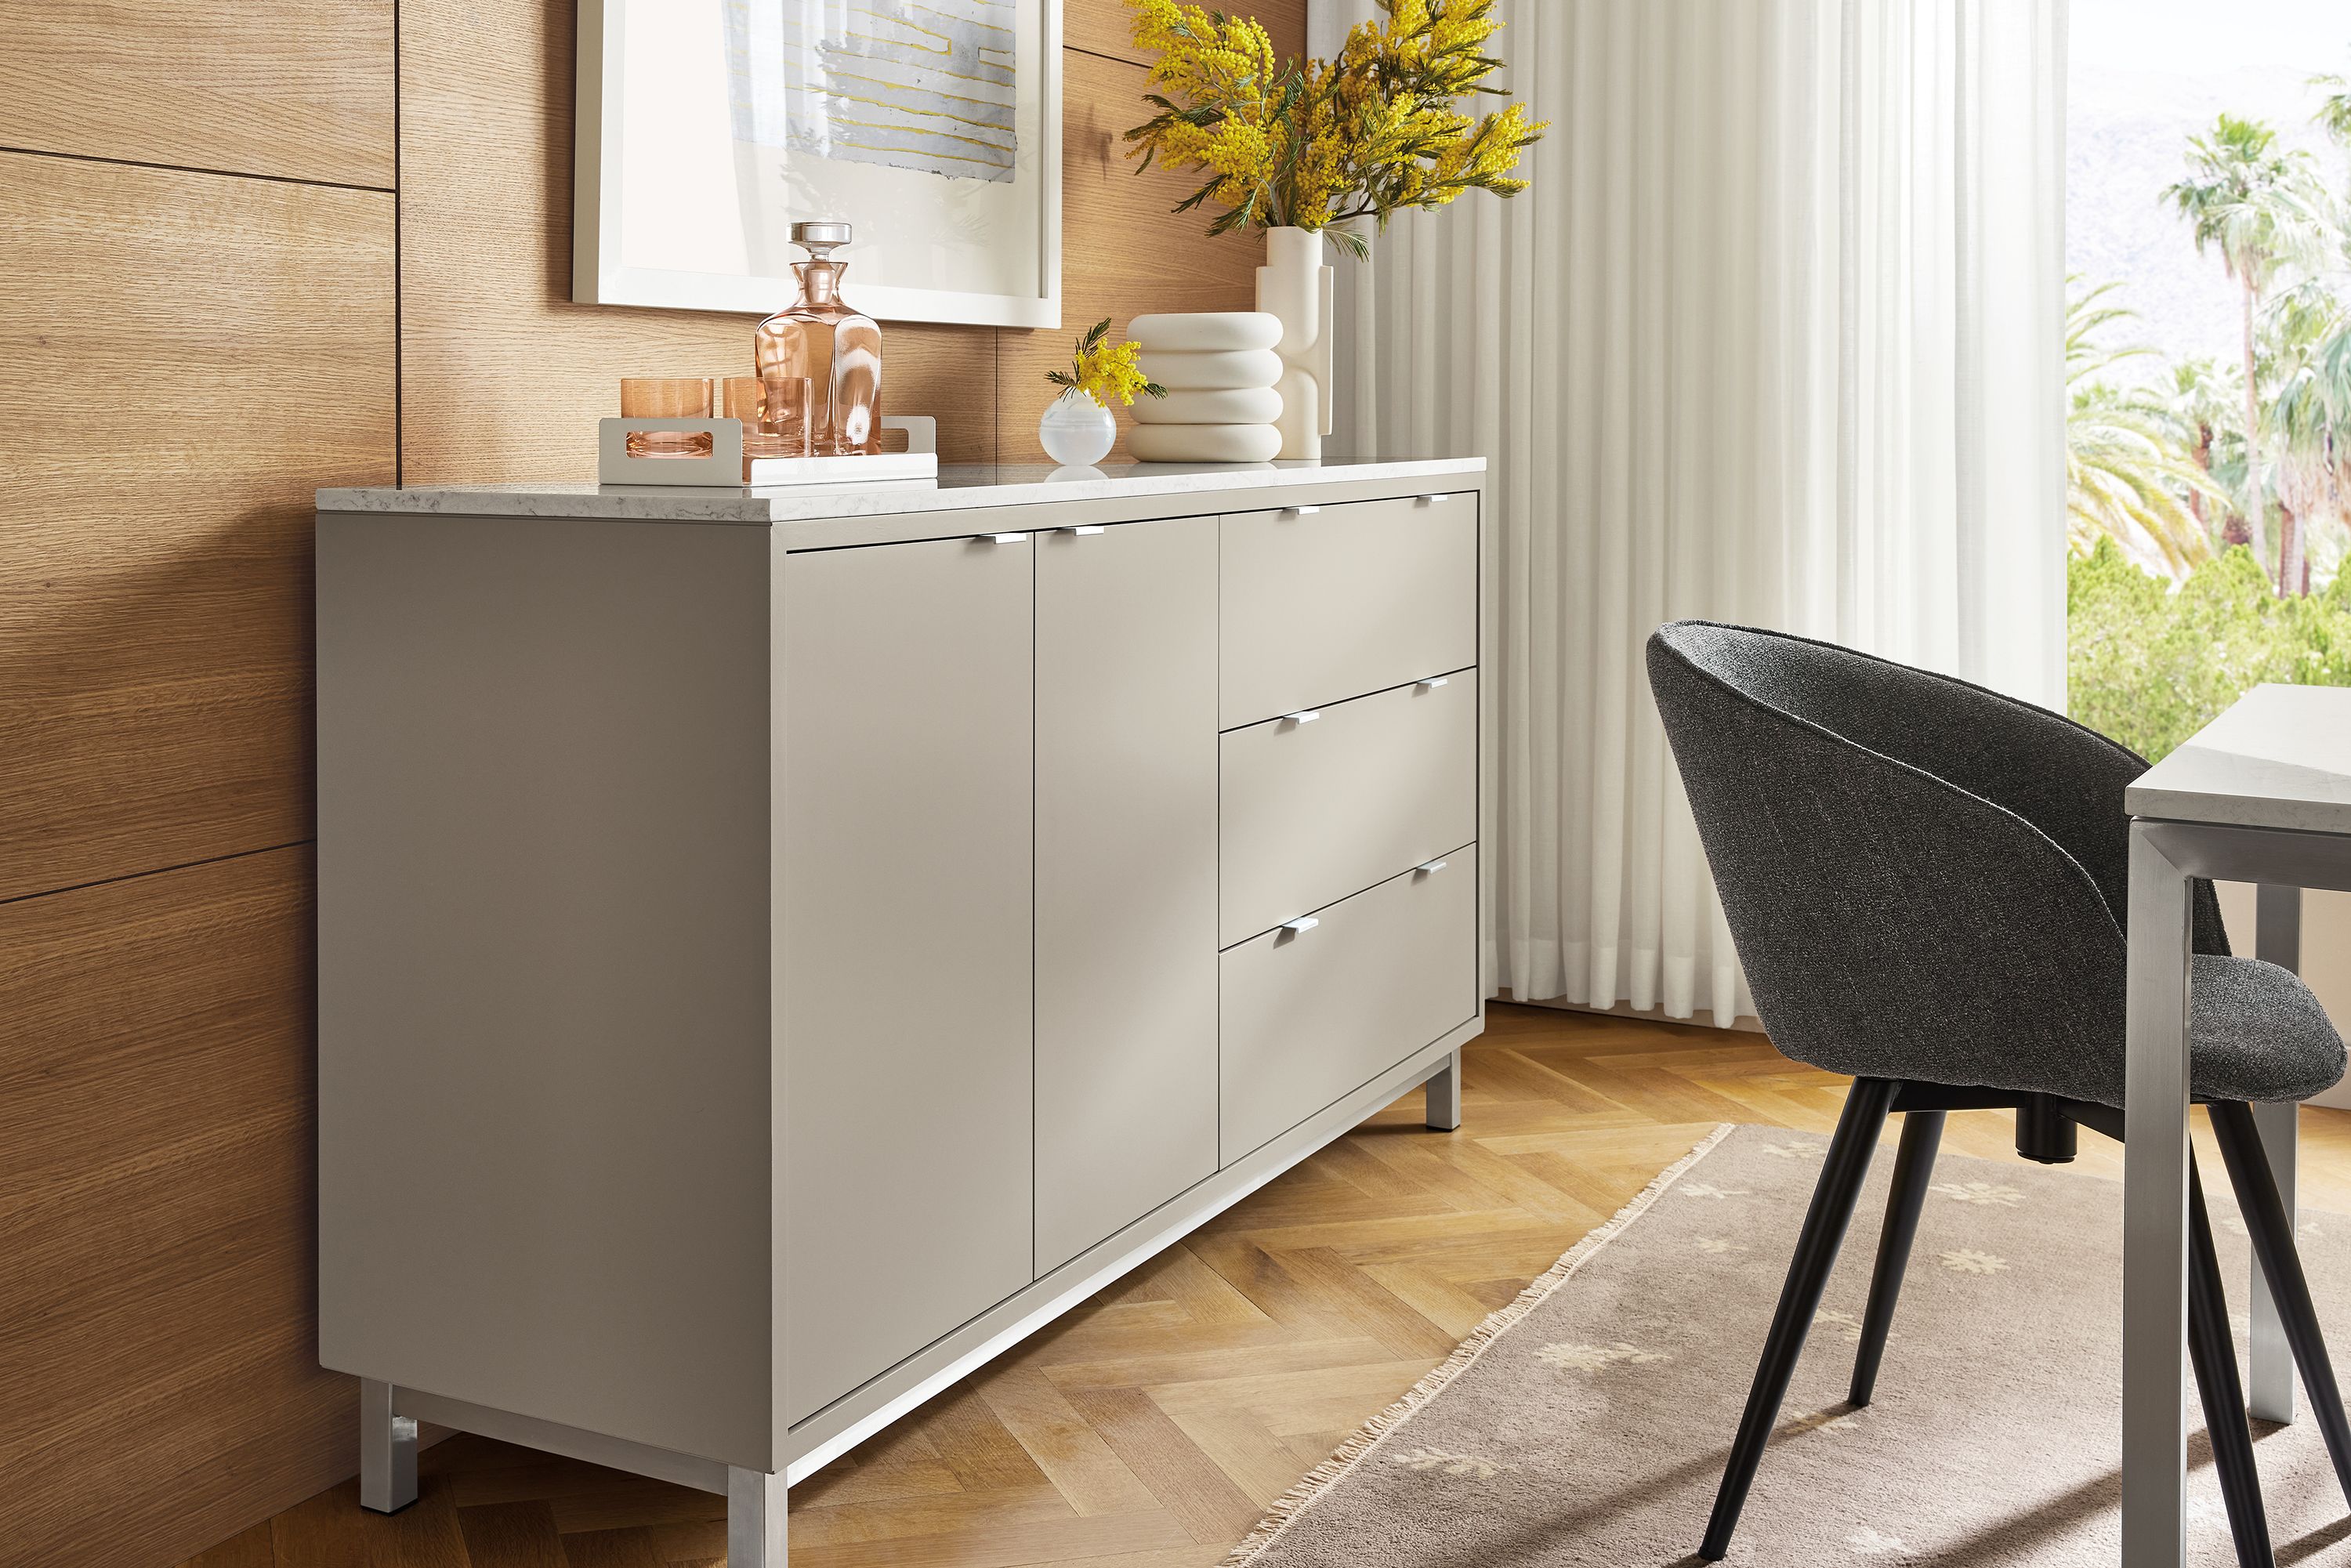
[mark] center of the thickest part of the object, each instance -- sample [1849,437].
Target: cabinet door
[1126,876]
[903,873]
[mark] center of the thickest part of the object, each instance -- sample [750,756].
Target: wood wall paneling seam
[190,169]
[155,870]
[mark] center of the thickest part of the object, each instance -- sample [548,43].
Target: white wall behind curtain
[1777,337]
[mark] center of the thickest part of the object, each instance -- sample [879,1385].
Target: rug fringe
[1286,1508]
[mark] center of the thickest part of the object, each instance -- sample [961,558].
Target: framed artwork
[707,128]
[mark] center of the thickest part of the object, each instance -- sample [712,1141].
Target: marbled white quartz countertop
[957,487]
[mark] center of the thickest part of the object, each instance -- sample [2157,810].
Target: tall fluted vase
[1295,286]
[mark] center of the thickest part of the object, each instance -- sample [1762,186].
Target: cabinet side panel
[908,768]
[544,1036]
[1126,876]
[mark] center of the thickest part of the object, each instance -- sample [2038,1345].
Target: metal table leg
[2278,940]
[2155,1210]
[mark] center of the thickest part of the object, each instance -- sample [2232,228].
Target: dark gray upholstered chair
[1926,882]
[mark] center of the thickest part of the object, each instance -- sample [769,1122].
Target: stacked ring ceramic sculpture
[1219,369]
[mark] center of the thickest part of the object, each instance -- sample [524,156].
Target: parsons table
[2262,794]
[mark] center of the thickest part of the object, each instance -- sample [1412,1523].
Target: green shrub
[2150,666]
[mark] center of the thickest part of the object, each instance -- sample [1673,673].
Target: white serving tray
[727,468]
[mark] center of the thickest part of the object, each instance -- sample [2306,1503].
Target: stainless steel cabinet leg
[755,1519]
[387,1451]
[1444,1093]
[2277,939]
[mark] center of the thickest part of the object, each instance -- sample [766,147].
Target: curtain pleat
[1775,337]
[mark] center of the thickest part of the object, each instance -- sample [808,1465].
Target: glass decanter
[837,350]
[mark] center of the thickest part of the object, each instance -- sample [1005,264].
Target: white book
[880,467]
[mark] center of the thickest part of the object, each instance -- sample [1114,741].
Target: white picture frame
[752,275]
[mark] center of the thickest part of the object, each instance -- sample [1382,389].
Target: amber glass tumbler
[774,414]
[786,424]
[666,397]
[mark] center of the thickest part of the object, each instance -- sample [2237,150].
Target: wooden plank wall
[240,259]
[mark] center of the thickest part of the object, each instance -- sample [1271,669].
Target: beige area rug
[1587,1423]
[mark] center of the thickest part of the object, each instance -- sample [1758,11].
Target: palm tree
[2256,206]
[2203,407]
[2309,330]
[2127,478]
[2334,114]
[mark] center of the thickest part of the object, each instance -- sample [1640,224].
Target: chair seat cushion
[2255,1032]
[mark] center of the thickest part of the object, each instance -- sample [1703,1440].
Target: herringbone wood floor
[1149,1429]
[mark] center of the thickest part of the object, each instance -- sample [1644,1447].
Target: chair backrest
[1924,879]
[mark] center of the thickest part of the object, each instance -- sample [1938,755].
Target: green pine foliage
[2150,664]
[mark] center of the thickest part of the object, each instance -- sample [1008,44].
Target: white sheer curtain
[1776,337]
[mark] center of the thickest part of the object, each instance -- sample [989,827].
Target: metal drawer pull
[1303,923]
[1431,684]
[1084,528]
[1430,868]
[1300,511]
[1009,538]
[1433,497]
[1304,716]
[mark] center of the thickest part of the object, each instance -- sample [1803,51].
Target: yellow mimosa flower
[1315,142]
[1104,371]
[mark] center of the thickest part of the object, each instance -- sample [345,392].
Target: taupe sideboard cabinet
[777,951]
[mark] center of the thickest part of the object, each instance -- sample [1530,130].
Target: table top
[957,486]
[2280,758]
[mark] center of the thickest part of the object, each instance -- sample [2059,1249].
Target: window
[2209,361]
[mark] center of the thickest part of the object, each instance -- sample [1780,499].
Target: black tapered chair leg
[1842,1174]
[2272,1229]
[1914,1163]
[2214,1353]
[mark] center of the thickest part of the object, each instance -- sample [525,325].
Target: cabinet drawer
[1329,603]
[1307,1016]
[1314,809]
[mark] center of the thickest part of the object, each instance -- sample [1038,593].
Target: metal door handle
[1304,716]
[1429,868]
[1431,684]
[1303,923]
[1006,539]
[1300,511]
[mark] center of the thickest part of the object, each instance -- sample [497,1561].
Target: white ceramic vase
[1077,431]
[1220,368]
[1295,286]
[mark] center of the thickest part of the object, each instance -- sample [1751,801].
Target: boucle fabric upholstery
[1925,880]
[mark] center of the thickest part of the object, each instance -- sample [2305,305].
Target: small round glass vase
[1077,431]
